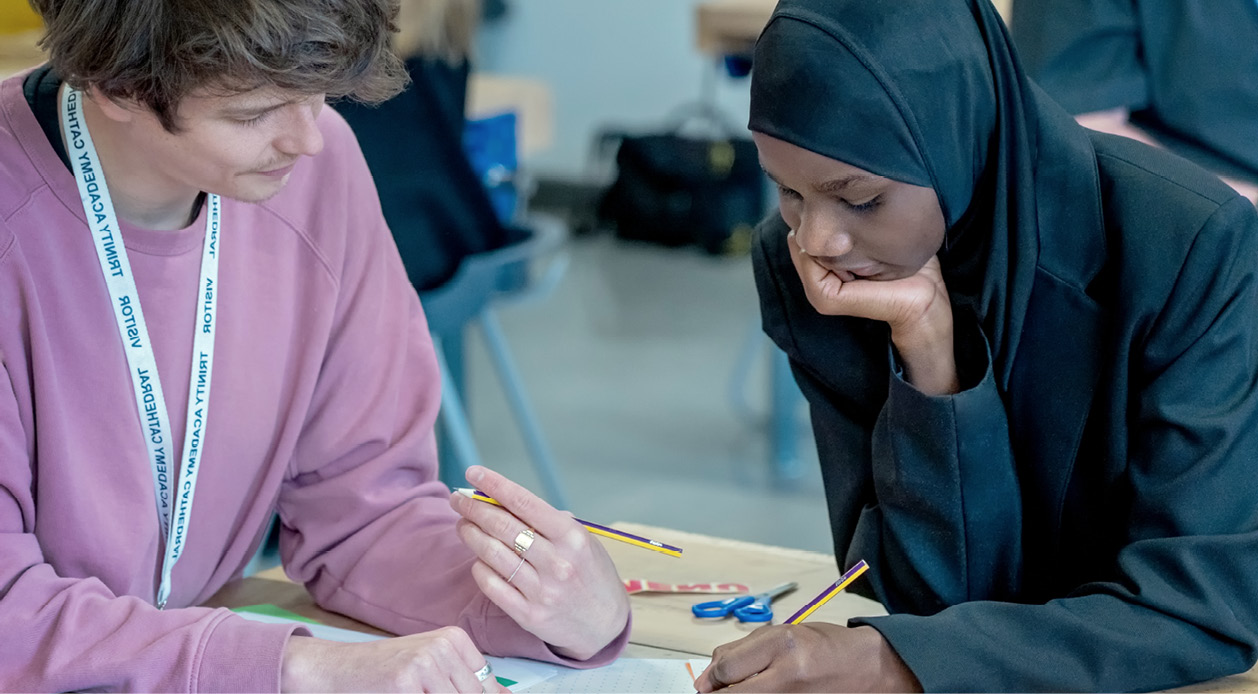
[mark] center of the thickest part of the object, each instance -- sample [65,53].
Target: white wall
[610,63]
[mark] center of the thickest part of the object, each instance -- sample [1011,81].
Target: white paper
[639,675]
[523,673]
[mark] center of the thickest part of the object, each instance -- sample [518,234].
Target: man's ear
[120,110]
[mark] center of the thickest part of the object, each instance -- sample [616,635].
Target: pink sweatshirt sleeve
[73,634]
[366,524]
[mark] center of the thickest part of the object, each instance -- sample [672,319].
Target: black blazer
[1094,526]
[1187,69]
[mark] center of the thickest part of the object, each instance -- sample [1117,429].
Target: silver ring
[517,570]
[523,541]
[484,673]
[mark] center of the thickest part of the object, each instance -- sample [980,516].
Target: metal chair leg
[543,461]
[453,419]
[784,401]
[784,428]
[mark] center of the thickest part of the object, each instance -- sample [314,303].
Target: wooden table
[662,624]
[725,27]
[664,620]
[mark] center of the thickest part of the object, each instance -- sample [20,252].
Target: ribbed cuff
[239,655]
[500,635]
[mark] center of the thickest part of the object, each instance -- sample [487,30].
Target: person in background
[1175,73]
[200,301]
[1031,359]
[434,202]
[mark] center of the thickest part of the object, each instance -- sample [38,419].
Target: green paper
[281,613]
[275,611]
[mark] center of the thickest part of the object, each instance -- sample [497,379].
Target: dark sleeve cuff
[970,350]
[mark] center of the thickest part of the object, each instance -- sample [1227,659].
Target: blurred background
[572,189]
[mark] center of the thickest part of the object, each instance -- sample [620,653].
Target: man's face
[240,146]
[854,223]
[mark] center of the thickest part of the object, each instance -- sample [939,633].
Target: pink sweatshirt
[324,397]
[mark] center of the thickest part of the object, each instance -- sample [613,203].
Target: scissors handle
[757,611]
[720,608]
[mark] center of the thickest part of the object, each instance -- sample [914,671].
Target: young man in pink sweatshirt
[200,301]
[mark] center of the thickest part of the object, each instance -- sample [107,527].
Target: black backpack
[680,189]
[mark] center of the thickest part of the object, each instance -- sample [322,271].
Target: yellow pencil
[620,535]
[851,575]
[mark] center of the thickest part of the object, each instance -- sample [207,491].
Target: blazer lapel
[1050,396]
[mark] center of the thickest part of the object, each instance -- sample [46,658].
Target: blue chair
[462,252]
[482,282]
[785,402]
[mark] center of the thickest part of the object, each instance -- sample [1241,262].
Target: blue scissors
[747,608]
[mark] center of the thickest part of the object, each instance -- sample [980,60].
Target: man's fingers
[461,646]
[462,658]
[491,533]
[523,504]
[501,593]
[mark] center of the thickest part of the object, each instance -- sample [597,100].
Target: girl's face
[856,224]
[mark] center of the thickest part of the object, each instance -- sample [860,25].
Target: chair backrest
[476,282]
[458,253]
[432,199]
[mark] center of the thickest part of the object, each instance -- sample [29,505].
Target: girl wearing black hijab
[1031,356]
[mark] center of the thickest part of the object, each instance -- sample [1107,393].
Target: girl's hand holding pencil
[541,567]
[809,657]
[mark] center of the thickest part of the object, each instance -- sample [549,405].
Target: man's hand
[815,657]
[563,588]
[444,660]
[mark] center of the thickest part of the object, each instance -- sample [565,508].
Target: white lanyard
[149,400]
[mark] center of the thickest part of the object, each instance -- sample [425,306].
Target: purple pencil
[851,575]
[622,536]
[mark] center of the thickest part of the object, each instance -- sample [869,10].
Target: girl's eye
[787,192]
[867,206]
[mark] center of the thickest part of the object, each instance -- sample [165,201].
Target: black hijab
[930,92]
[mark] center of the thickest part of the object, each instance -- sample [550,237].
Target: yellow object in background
[16,16]
[20,31]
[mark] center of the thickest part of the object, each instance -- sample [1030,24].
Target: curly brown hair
[156,52]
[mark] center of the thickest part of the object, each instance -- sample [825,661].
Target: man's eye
[255,119]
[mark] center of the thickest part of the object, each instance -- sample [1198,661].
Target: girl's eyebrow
[773,178]
[832,186]
[844,182]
